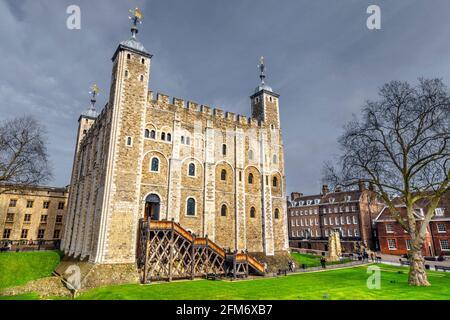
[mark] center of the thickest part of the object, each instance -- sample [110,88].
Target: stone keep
[237,184]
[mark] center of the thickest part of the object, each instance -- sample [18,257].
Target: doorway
[152,207]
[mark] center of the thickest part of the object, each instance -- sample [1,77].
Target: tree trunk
[417,273]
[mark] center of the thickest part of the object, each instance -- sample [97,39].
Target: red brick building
[393,239]
[312,218]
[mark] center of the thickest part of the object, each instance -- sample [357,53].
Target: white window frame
[389,244]
[439,229]
[439,212]
[442,247]
[388,229]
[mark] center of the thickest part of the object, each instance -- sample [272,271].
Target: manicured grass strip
[344,284]
[311,260]
[28,296]
[19,268]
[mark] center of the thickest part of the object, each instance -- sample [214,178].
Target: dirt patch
[274,263]
[45,287]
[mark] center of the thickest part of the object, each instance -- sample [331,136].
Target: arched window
[190,209]
[153,134]
[275,182]
[126,73]
[277,214]
[223,211]
[169,137]
[192,170]
[147,133]
[163,136]
[128,56]
[188,141]
[252,212]
[129,141]
[250,178]
[143,61]
[223,175]
[155,165]
[275,159]
[250,154]
[224,149]
[142,78]
[182,139]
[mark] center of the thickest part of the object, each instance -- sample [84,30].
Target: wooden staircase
[167,251]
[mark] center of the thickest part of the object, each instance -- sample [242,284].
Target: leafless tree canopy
[401,143]
[23,154]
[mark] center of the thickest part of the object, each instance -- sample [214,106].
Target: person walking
[323,262]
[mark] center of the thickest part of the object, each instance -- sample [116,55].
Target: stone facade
[313,218]
[216,173]
[32,213]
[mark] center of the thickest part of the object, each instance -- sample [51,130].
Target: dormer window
[317,201]
[439,212]
[309,202]
[332,200]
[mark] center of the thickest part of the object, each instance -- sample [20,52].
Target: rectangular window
[392,244]
[336,221]
[331,221]
[27,218]
[12,203]
[408,244]
[10,217]
[439,212]
[342,221]
[293,223]
[24,234]
[326,233]
[41,233]
[59,219]
[355,220]
[389,228]
[56,234]
[444,245]
[349,220]
[356,232]
[61,206]
[6,233]
[325,221]
[44,218]
[30,204]
[46,205]
[336,210]
[441,228]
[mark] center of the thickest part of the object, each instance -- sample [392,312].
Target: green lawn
[19,268]
[311,260]
[344,284]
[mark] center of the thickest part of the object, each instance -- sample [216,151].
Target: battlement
[213,113]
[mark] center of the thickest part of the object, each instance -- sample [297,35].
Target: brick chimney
[361,185]
[325,190]
[296,195]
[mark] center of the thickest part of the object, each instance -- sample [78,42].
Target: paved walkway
[391,259]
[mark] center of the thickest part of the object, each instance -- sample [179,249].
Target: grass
[343,284]
[19,268]
[311,260]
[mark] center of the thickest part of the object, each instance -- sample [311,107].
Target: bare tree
[401,146]
[23,154]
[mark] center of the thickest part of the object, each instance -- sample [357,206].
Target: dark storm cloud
[320,57]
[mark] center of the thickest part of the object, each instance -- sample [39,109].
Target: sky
[320,57]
